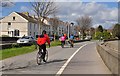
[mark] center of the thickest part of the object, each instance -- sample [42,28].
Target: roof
[27,17]
[2,18]
[30,18]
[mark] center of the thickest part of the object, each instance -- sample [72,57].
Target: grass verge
[7,53]
[55,43]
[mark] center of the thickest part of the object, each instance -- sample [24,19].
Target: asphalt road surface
[83,58]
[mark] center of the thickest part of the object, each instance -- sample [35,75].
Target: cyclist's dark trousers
[63,42]
[44,50]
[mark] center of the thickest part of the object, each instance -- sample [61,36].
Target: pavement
[114,45]
[82,59]
[16,62]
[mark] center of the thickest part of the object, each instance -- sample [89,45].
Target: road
[82,59]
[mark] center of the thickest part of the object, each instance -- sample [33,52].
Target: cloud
[7,4]
[26,9]
[70,11]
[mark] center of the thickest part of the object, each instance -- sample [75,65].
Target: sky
[102,13]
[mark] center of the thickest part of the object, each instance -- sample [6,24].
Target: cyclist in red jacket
[41,41]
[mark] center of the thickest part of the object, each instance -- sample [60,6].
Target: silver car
[26,40]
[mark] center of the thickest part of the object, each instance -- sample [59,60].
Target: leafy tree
[104,34]
[100,28]
[116,31]
[98,35]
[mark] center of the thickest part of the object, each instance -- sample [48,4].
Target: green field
[6,53]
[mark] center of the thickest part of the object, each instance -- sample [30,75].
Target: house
[18,24]
[57,26]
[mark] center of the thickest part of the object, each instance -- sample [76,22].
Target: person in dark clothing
[71,40]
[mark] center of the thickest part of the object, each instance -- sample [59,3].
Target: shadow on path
[54,61]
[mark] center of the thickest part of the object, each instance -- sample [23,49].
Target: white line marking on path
[64,66]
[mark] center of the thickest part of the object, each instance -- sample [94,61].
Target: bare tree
[43,9]
[92,31]
[84,23]
[55,23]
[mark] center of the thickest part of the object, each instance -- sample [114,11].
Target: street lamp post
[71,24]
[68,30]
[72,30]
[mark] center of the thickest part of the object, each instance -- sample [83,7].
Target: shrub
[15,45]
[98,35]
[5,36]
[104,34]
[116,31]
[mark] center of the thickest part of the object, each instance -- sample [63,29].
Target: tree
[100,28]
[84,22]
[55,23]
[92,31]
[42,10]
[98,35]
[116,31]
[105,34]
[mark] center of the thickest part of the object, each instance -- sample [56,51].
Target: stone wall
[110,58]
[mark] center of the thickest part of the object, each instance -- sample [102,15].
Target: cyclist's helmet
[41,36]
[44,32]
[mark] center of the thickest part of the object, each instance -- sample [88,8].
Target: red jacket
[43,40]
[47,38]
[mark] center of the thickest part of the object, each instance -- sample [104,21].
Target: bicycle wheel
[46,55]
[39,58]
[62,45]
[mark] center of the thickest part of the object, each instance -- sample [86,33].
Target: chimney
[26,13]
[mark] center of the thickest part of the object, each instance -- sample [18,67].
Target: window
[8,32]
[16,32]
[34,34]
[9,23]
[14,18]
[30,33]
[34,26]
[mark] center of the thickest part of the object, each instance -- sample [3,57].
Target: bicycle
[39,57]
[71,43]
[62,44]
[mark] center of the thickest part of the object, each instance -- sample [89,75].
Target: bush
[98,35]
[116,31]
[15,45]
[104,34]
[5,36]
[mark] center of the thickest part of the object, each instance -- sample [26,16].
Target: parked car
[26,40]
[88,37]
[51,38]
